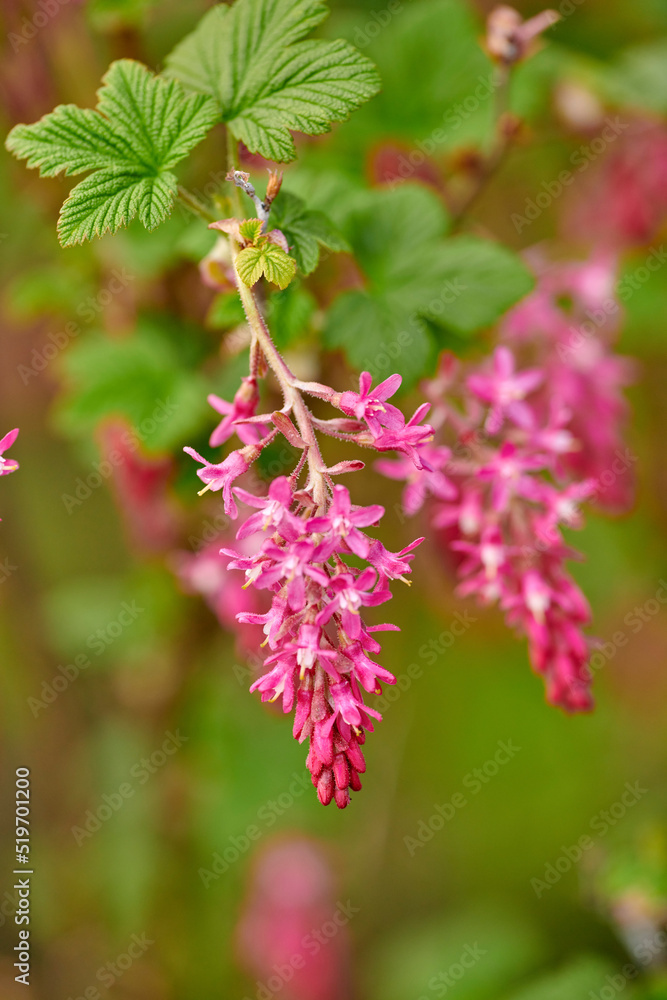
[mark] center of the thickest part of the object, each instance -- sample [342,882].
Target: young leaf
[268,259]
[250,229]
[265,80]
[305,231]
[142,127]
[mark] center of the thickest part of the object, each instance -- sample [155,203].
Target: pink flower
[509,38]
[291,896]
[342,522]
[222,476]
[421,483]
[509,472]
[505,390]
[243,407]
[407,437]
[307,529]
[348,596]
[530,445]
[371,404]
[275,509]
[8,465]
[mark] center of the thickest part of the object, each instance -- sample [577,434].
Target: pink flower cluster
[529,441]
[311,542]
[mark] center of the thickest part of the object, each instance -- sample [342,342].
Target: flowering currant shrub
[502,449]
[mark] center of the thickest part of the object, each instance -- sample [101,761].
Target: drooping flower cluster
[8,465]
[533,432]
[311,541]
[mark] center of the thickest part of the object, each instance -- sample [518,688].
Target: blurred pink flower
[292,936]
[528,446]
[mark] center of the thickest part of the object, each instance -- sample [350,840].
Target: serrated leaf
[265,79]
[306,231]
[250,229]
[142,128]
[268,259]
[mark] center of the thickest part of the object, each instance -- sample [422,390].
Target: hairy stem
[317,478]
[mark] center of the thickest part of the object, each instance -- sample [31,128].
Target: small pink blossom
[371,404]
[243,406]
[505,390]
[8,465]
[222,475]
[342,522]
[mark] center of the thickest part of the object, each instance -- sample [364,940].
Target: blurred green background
[71,565]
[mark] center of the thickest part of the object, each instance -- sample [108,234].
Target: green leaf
[250,229]
[265,79]
[637,77]
[289,313]
[268,259]
[226,311]
[143,126]
[416,282]
[479,280]
[377,340]
[305,231]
